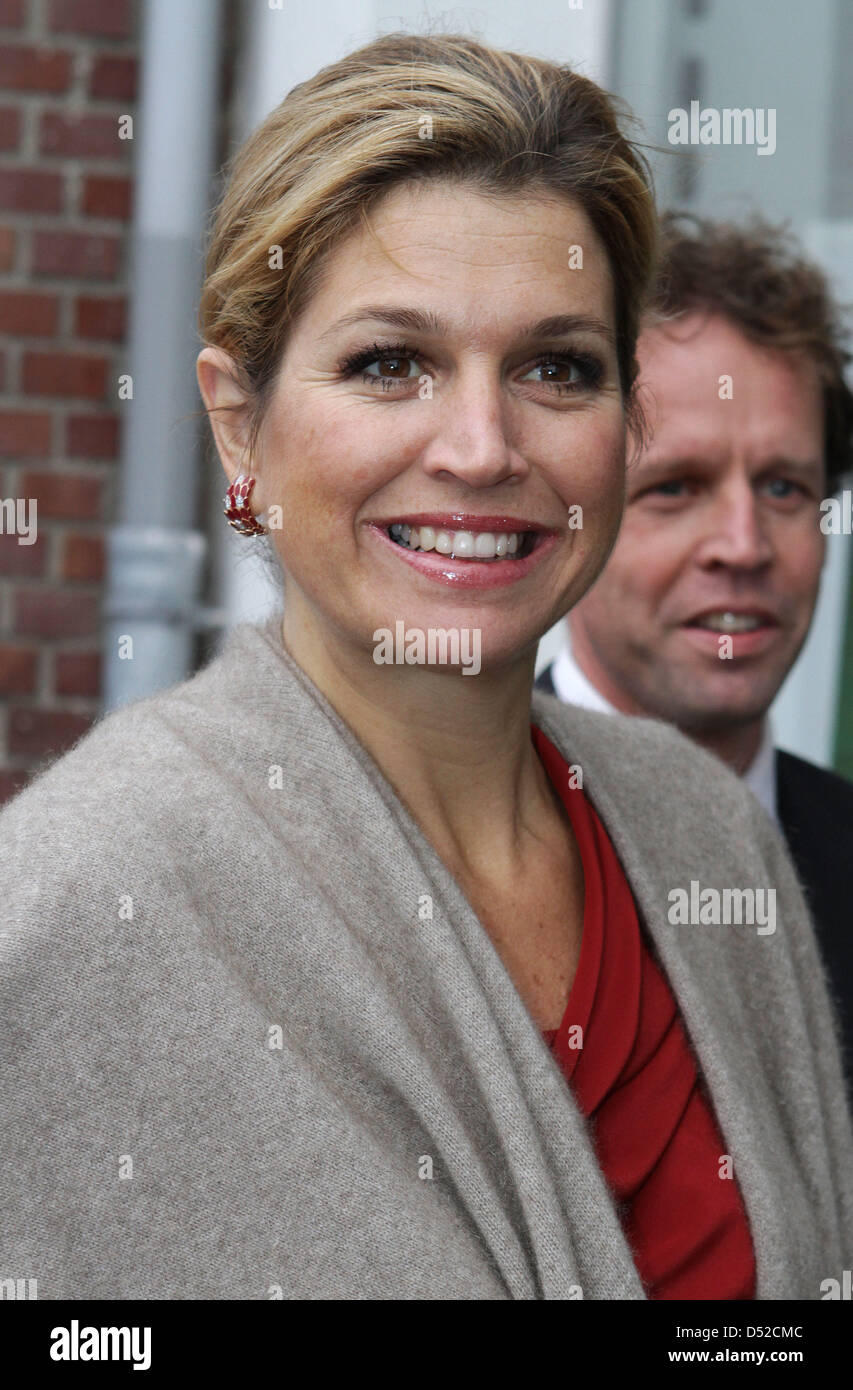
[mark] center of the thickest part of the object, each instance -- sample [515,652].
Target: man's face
[722,519]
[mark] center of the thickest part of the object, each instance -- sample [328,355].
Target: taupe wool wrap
[235,1044]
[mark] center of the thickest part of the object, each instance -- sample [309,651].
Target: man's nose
[736,533]
[472,432]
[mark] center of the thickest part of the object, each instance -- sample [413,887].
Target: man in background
[707,597]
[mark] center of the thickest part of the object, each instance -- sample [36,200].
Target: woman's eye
[385,366]
[394,368]
[573,373]
[557,373]
[382,364]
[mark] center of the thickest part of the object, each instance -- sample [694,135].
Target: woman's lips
[471,574]
[463,521]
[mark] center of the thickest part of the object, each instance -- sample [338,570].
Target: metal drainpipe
[155,555]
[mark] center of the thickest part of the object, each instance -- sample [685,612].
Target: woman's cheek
[593,476]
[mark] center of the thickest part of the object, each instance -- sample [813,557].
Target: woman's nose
[472,438]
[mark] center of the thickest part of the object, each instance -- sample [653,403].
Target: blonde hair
[411,107]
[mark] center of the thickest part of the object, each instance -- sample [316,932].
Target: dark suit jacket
[816,813]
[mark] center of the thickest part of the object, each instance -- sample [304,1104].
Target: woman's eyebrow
[425,321]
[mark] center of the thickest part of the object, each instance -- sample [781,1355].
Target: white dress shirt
[573,688]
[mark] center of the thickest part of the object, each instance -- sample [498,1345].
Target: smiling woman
[363,971]
[524,406]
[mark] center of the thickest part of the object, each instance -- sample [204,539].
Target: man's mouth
[464,545]
[727,621]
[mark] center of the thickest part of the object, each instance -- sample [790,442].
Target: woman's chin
[457,643]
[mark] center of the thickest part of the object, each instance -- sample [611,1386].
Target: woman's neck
[456,749]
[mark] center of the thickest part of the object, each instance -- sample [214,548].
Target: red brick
[30,190]
[101,318]
[18,670]
[114,78]
[78,673]
[11,14]
[11,783]
[50,613]
[28,314]
[107,197]
[22,561]
[70,496]
[44,732]
[81,137]
[92,436]
[7,247]
[34,69]
[23,433]
[84,559]
[10,127]
[113,19]
[63,374]
[76,254]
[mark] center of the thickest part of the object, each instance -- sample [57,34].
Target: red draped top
[633,1075]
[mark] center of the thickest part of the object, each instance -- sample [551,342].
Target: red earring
[237,508]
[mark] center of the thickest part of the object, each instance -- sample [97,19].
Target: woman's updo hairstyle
[411,107]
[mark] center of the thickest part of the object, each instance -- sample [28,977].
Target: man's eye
[783,487]
[671,490]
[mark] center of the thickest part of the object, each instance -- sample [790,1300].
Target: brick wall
[68,71]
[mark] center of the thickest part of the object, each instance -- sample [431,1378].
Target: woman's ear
[227,405]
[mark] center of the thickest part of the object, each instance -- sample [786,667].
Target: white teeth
[462,545]
[730,622]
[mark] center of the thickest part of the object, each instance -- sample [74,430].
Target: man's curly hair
[756,276]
